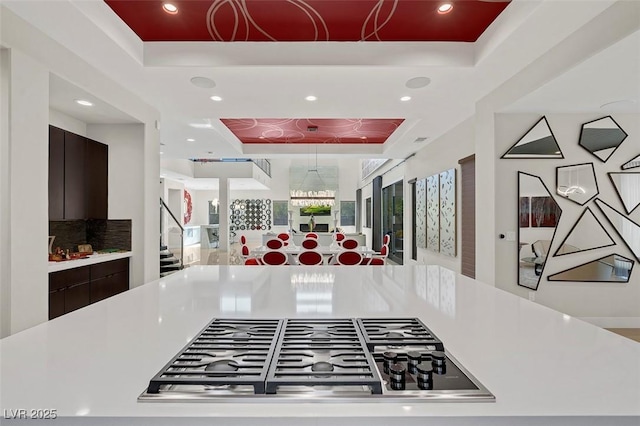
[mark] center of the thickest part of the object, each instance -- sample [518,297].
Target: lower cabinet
[78,287]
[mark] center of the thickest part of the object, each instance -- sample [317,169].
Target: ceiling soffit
[310,20]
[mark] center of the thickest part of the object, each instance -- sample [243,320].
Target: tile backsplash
[101,234]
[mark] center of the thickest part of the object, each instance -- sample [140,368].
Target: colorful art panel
[448,212]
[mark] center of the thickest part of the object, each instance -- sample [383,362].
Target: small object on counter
[85,248]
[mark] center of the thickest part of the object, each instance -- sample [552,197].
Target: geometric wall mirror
[628,188]
[587,234]
[609,269]
[633,163]
[577,183]
[535,238]
[601,137]
[538,142]
[627,229]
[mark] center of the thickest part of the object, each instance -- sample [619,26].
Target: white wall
[66,122]
[24,196]
[5,219]
[200,199]
[440,155]
[610,303]
[126,165]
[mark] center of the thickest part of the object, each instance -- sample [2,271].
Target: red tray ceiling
[300,130]
[308,20]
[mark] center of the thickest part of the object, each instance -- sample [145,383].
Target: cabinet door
[56,303]
[76,297]
[75,204]
[56,173]
[97,172]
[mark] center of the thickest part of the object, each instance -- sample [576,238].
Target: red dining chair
[310,257]
[310,244]
[349,244]
[349,258]
[274,244]
[339,237]
[379,258]
[274,257]
[253,261]
[386,239]
[284,237]
[243,240]
[311,235]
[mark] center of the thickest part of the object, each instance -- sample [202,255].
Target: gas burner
[322,366]
[222,366]
[397,333]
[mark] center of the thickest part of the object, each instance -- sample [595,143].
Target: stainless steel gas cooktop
[336,360]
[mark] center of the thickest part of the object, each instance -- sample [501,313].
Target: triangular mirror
[627,229]
[538,142]
[631,164]
[602,137]
[587,234]
[628,188]
[608,269]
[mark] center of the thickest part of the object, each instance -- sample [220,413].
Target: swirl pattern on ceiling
[312,130]
[308,20]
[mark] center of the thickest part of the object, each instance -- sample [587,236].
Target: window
[347,213]
[280,213]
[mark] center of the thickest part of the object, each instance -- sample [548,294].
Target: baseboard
[613,322]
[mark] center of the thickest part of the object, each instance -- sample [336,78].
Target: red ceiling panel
[308,20]
[312,130]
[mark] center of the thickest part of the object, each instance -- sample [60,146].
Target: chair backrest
[274,257]
[386,239]
[349,244]
[349,257]
[339,237]
[311,235]
[283,236]
[310,243]
[274,244]
[245,251]
[310,257]
[252,261]
[243,239]
[541,248]
[384,250]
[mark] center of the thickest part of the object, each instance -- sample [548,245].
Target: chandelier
[307,194]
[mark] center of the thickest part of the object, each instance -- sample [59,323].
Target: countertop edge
[91,260]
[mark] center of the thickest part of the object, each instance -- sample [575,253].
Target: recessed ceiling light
[311,98]
[170,8]
[445,8]
[191,140]
[83,102]
[216,98]
[405,98]
[201,125]
[622,103]
[418,82]
[203,82]
[363,137]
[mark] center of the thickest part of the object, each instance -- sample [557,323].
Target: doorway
[392,220]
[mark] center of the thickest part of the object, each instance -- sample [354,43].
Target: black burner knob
[414,358]
[438,358]
[397,376]
[389,358]
[424,375]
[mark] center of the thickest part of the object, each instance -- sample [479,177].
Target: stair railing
[165,208]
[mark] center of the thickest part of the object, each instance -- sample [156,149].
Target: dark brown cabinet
[78,176]
[78,287]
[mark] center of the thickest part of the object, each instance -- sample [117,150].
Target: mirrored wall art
[609,269]
[627,229]
[586,234]
[535,241]
[433,212]
[577,183]
[250,215]
[631,164]
[448,212]
[538,142]
[628,188]
[421,213]
[601,137]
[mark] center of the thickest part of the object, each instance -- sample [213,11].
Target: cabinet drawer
[104,269]
[76,297]
[69,277]
[56,304]
[103,288]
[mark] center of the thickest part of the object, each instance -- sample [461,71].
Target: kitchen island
[542,366]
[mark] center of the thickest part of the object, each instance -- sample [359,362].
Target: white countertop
[537,362]
[89,260]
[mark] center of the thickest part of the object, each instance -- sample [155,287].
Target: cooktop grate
[390,332]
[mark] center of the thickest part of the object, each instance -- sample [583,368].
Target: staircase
[168,262]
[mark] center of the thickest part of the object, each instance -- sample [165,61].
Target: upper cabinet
[78,176]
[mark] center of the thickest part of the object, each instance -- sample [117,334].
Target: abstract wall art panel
[448,212]
[421,213]
[433,213]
